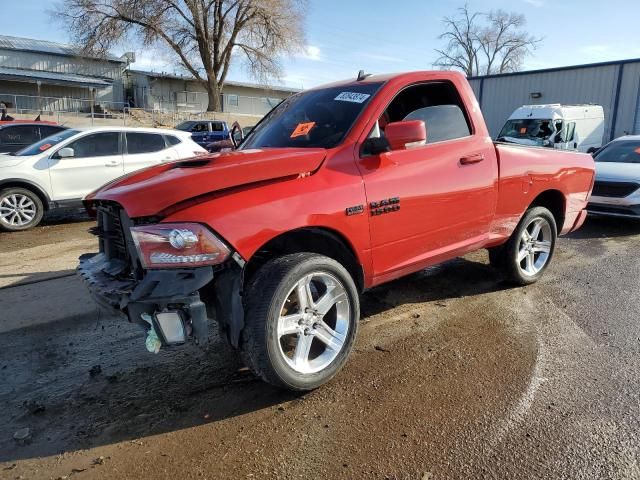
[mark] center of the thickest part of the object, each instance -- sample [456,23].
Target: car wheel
[528,252]
[301,315]
[20,209]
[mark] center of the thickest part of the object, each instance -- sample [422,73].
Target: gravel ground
[454,375]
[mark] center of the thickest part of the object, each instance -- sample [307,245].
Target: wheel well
[315,240]
[554,201]
[28,186]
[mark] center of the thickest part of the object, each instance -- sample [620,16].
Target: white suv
[59,170]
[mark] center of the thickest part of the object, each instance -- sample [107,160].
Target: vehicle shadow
[607,227]
[65,216]
[88,382]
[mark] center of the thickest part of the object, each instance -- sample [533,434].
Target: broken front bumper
[159,291]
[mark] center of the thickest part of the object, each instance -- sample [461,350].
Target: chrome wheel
[17,210]
[534,247]
[313,323]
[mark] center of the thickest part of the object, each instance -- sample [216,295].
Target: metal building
[176,93]
[614,85]
[37,75]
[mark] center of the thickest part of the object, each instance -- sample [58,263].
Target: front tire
[527,253]
[20,209]
[301,320]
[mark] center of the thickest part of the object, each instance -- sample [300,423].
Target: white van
[565,127]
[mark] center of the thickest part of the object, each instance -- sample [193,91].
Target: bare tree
[205,35]
[485,43]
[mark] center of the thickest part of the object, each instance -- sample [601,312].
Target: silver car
[616,191]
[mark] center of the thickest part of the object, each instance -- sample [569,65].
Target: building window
[232,100]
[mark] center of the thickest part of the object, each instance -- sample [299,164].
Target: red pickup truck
[339,189]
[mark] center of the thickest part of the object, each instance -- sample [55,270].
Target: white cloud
[155,61]
[311,52]
[535,3]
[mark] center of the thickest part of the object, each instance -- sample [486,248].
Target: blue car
[204,132]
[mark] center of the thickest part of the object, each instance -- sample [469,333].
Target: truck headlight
[172,245]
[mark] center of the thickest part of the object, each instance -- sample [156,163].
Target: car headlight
[172,245]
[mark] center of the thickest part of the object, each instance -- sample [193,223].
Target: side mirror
[592,150]
[236,134]
[66,152]
[406,134]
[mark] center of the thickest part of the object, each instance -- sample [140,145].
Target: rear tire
[528,252]
[301,319]
[20,209]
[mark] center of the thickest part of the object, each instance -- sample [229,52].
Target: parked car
[617,188]
[339,189]
[230,143]
[565,127]
[17,134]
[205,132]
[62,168]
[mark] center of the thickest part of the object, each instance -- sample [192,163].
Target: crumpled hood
[618,171]
[151,191]
[10,160]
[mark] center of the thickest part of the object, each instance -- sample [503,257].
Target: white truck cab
[565,127]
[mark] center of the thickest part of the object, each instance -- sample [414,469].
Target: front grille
[110,231]
[614,189]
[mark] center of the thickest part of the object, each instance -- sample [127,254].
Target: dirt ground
[454,375]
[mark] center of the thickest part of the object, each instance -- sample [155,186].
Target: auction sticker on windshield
[352,97]
[302,129]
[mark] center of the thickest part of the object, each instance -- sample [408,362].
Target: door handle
[113,163]
[470,159]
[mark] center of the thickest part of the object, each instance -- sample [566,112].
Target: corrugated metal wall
[62,64]
[501,95]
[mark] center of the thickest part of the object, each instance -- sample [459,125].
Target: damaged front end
[153,273]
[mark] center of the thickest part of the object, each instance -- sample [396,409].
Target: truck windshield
[623,151]
[535,130]
[313,119]
[46,143]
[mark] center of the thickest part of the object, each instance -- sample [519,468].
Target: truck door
[434,201]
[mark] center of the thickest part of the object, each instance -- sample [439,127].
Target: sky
[383,36]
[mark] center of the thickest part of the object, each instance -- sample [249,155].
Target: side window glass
[19,135]
[437,104]
[144,142]
[173,140]
[571,131]
[200,127]
[46,130]
[96,145]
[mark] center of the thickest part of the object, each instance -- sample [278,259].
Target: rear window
[217,126]
[173,140]
[623,151]
[46,130]
[144,142]
[19,135]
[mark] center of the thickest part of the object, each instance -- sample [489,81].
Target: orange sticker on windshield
[302,129]
[523,130]
[637,150]
[44,147]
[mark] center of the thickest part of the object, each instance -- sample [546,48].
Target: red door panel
[447,198]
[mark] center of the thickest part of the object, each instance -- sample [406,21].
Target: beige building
[174,93]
